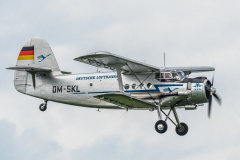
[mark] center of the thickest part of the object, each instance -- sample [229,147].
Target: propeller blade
[218,98]
[212,79]
[213,74]
[209,106]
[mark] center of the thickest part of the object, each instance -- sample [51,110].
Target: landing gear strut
[161,125]
[43,106]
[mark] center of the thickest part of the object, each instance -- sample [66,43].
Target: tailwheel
[182,130]
[43,107]
[161,126]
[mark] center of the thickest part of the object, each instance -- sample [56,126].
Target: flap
[124,100]
[30,69]
[112,61]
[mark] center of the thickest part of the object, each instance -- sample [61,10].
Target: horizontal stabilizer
[30,69]
[124,100]
[34,69]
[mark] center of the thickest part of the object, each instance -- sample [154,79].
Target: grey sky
[191,33]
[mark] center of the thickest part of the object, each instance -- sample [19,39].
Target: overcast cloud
[192,33]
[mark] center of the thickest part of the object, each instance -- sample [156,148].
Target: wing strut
[119,75]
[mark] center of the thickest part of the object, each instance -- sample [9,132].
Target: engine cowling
[200,92]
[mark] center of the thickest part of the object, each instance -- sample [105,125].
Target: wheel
[161,126]
[182,130]
[43,107]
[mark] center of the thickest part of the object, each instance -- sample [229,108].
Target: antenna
[164,61]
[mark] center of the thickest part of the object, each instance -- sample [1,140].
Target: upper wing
[124,100]
[193,68]
[110,61]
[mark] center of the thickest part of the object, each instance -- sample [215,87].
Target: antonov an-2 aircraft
[129,84]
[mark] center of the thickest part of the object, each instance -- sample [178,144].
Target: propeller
[213,93]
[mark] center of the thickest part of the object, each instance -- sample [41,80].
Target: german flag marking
[27,53]
[31,48]
[22,53]
[26,57]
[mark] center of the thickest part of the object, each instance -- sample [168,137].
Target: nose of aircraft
[211,91]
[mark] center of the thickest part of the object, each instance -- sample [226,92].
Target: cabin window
[149,85]
[126,86]
[91,84]
[133,86]
[141,86]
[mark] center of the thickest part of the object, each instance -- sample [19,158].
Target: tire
[183,130]
[43,107]
[161,126]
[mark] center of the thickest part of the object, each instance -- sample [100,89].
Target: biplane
[129,84]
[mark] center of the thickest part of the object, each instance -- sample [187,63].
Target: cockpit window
[168,75]
[183,74]
[162,75]
[174,75]
[180,75]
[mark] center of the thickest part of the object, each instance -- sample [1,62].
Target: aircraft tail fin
[37,53]
[35,56]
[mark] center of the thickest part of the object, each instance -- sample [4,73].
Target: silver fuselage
[80,89]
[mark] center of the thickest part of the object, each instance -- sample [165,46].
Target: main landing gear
[161,125]
[43,106]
